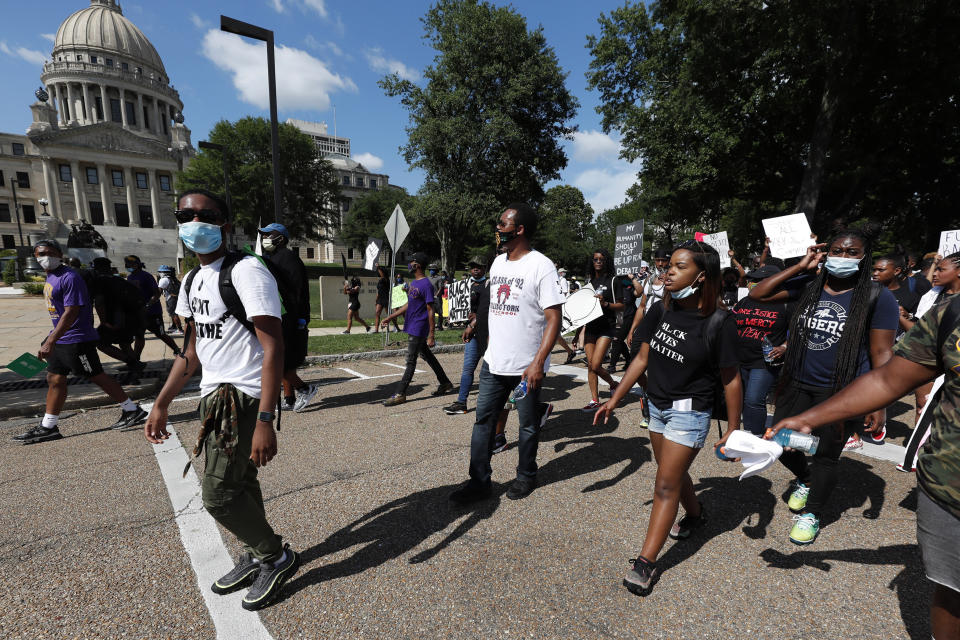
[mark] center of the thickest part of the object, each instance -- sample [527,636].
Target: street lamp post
[16,207]
[231,25]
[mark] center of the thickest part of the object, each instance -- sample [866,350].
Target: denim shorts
[688,428]
[937,534]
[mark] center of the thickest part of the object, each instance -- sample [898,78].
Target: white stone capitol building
[106,141]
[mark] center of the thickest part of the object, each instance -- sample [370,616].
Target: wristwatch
[266,416]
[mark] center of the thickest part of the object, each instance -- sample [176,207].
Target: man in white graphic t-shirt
[524,322]
[241,351]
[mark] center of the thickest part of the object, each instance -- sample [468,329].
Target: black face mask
[504,238]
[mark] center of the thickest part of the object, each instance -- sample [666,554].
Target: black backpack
[228,291]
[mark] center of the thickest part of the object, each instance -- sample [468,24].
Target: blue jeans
[491,399]
[689,428]
[756,385]
[472,352]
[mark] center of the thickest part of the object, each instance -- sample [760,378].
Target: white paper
[580,308]
[949,242]
[719,242]
[372,253]
[789,235]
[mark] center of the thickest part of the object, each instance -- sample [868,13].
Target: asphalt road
[90,545]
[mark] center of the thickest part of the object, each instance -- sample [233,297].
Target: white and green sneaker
[798,499]
[805,530]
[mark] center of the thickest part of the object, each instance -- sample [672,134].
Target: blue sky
[330,54]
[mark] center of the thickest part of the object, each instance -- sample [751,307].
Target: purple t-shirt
[148,287]
[66,288]
[419,295]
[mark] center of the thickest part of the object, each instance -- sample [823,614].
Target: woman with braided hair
[843,326]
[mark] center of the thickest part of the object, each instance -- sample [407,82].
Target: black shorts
[79,358]
[383,302]
[354,305]
[294,347]
[172,306]
[154,324]
[114,336]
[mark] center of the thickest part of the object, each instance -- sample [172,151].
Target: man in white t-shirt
[524,322]
[242,358]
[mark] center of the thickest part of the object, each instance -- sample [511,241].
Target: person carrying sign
[475,339]
[600,332]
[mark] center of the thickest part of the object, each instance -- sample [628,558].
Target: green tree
[488,124]
[457,220]
[742,110]
[565,222]
[310,190]
[369,213]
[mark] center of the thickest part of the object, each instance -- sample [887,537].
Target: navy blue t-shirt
[826,327]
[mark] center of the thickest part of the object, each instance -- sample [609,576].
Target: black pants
[620,348]
[417,346]
[820,474]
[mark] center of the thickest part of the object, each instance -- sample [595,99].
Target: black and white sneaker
[238,577]
[305,397]
[545,409]
[270,579]
[688,524]
[39,433]
[641,578]
[130,418]
[455,408]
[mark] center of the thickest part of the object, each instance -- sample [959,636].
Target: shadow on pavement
[912,588]
[371,396]
[601,452]
[857,485]
[391,530]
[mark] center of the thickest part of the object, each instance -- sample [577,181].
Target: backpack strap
[948,322]
[228,291]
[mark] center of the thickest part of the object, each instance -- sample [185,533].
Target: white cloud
[329,45]
[198,22]
[30,55]
[303,82]
[277,5]
[369,160]
[52,37]
[591,146]
[605,188]
[317,5]
[379,62]
[320,6]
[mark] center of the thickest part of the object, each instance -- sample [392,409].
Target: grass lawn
[361,342]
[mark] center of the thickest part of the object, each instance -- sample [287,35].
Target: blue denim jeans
[689,428]
[491,399]
[472,352]
[756,385]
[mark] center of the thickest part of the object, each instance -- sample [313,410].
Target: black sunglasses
[210,216]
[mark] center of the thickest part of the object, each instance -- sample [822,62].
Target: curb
[377,355]
[89,401]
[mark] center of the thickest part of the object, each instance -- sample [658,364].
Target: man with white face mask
[71,347]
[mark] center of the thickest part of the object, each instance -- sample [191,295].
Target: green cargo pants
[231,492]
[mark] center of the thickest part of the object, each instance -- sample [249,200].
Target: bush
[33,288]
[10,271]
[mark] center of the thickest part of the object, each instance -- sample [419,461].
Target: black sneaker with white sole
[688,524]
[130,418]
[455,408]
[39,433]
[641,578]
[270,579]
[238,577]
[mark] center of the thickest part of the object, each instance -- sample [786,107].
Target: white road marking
[203,544]
[390,364]
[356,374]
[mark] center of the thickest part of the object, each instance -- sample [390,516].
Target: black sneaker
[238,577]
[39,433]
[470,492]
[499,444]
[545,409]
[134,366]
[270,579]
[130,418]
[570,357]
[521,488]
[641,578]
[443,389]
[455,409]
[688,524]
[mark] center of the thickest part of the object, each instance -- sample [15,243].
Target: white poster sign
[580,308]
[789,235]
[949,242]
[719,242]
[458,297]
[372,253]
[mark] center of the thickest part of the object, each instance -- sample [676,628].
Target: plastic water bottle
[767,348]
[519,392]
[796,440]
[720,454]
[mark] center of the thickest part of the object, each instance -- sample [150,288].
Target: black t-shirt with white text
[679,367]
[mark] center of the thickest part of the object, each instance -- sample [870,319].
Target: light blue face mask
[842,267]
[687,291]
[201,237]
[130,269]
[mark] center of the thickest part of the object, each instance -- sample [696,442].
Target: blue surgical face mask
[842,267]
[687,291]
[130,269]
[201,237]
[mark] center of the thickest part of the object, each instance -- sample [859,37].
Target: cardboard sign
[719,242]
[372,253]
[458,296]
[628,250]
[27,365]
[789,235]
[398,297]
[580,308]
[949,243]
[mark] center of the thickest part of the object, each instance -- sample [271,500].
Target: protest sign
[458,295]
[628,250]
[580,308]
[372,253]
[949,242]
[398,297]
[789,235]
[719,242]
